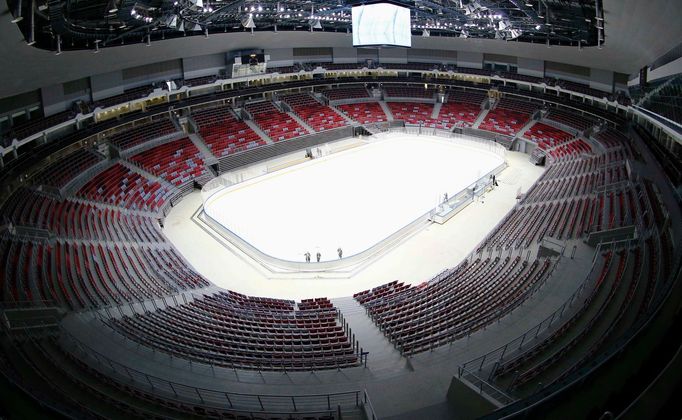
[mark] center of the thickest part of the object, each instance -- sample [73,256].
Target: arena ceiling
[90,24]
[635,34]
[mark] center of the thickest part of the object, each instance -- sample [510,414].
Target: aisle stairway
[480,118]
[206,154]
[252,125]
[300,122]
[387,110]
[436,110]
[525,128]
[383,356]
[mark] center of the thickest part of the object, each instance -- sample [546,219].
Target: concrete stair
[301,122]
[147,175]
[252,125]
[480,118]
[436,110]
[206,154]
[387,111]
[525,128]
[383,356]
[345,117]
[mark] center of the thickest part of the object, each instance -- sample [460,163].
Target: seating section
[223,133]
[462,108]
[564,202]
[319,117]
[198,81]
[413,113]
[584,326]
[142,133]
[574,120]
[612,139]
[364,112]
[623,287]
[546,136]
[178,162]
[74,220]
[522,77]
[508,117]
[475,97]
[456,303]
[582,88]
[120,186]
[409,92]
[104,249]
[81,275]
[61,172]
[36,125]
[275,124]
[127,96]
[233,330]
[414,66]
[569,149]
[346,93]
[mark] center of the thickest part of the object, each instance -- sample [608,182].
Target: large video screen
[381,24]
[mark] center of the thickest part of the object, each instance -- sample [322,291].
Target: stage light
[247,21]
[514,33]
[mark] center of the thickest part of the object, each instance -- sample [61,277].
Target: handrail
[273,78]
[370,413]
[217,398]
[535,330]
[579,376]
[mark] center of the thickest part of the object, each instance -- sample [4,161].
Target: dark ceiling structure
[60,25]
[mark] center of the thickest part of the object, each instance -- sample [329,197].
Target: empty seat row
[234,330]
[319,117]
[120,186]
[142,133]
[178,162]
[364,112]
[275,124]
[224,133]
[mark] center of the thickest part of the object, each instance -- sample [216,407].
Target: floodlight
[247,21]
[514,33]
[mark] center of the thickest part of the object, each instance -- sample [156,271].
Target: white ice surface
[351,200]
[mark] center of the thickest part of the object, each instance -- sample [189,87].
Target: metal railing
[312,404]
[497,355]
[368,407]
[470,371]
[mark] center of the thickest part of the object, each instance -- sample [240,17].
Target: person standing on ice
[318,256]
[340,251]
[307,256]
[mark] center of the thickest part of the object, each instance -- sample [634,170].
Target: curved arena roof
[631,42]
[567,302]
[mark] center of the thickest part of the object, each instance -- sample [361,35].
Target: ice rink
[353,199]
